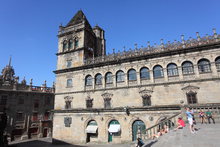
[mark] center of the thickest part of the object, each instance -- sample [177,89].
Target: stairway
[208,135]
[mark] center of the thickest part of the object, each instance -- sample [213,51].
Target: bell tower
[77,41]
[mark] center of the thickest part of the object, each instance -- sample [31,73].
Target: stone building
[115,97]
[28,107]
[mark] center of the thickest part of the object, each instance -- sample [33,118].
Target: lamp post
[126,109]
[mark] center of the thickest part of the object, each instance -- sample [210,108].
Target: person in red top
[181,123]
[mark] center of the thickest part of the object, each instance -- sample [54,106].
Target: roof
[77,18]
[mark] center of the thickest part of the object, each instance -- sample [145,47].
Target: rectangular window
[3,100]
[46,115]
[36,103]
[69,83]
[19,116]
[68,63]
[89,103]
[191,98]
[35,116]
[47,101]
[107,103]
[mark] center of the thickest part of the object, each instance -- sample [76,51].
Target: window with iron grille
[89,103]
[204,66]
[108,78]
[158,71]
[35,116]
[120,76]
[88,80]
[132,76]
[187,68]
[36,103]
[98,79]
[144,73]
[217,63]
[172,70]
[3,100]
[191,97]
[68,104]
[107,103]
[146,100]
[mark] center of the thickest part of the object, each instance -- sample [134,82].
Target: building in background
[115,97]
[28,107]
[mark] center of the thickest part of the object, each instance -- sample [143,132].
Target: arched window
[76,43]
[158,71]
[64,45]
[132,75]
[91,130]
[204,66]
[88,80]
[120,76]
[108,78]
[114,129]
[69,83]
[172,70]
[191,97]
[70,45]
[217,63]
[144,73]
[187,68]
[98,79]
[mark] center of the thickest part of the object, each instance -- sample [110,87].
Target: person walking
[209,116]
[190,120]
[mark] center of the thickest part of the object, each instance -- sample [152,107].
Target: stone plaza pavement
[208,135]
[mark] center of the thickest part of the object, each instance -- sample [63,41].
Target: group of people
[161,132]
[202,115]
[181,124]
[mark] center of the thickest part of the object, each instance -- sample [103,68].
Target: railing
[176,45]
[41,89]
[170,122]
[213,107]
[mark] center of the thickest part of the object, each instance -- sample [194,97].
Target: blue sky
[28,28]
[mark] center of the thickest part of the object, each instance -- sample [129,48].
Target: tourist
[159,133]
[209,116]
[202,116]
[192,112]
[140,143]
[181,124]
[165,129]
[190,120]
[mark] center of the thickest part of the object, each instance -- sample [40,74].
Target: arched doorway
[114,129]
[92,131]
[138,129]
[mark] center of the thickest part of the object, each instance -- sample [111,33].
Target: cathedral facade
[28,107]
[115,97]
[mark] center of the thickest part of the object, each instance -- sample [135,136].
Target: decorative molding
[107,95]
[190,88]
[68,98]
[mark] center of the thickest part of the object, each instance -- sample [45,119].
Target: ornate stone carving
[67,121]
[190,88]
[107,95]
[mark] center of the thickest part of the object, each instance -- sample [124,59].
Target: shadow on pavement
[150,144]
[39,143]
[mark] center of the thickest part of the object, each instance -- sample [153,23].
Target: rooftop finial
[9,64]
[198,36]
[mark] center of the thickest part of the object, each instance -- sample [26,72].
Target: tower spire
[9,64]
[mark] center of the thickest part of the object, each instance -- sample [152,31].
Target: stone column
[180,73]
[151,76]
[165,75]
[214,69]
